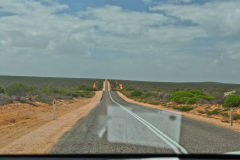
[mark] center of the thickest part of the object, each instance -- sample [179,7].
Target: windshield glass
[127,76]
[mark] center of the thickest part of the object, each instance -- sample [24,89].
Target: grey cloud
[110,41]
[26,40]
[217,18]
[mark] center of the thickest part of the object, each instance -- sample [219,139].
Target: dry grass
[19,119]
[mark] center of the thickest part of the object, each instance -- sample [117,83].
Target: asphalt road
[116,126]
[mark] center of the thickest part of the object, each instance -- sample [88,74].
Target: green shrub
[226,109]
[225,121]
[236,116]
[185,100]
[232,101]
[86,88]
[201,111]
[19,89]
[88,94]
[215,111]
[154,103]
[81,94]
[1,90]
[148,94]
[65,92]
[225,114]
[189,96]
[128,89]
[158,90]
[183,97]
[56,92]
[144,101]
[44,99]
[59,92]
[74,94]
[183,108]
[136,93]
[196,92]
[51,91]
[183,94]
[208,98]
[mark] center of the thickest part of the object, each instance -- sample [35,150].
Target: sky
[147,40]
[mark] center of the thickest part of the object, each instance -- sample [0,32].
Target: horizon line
[119,79]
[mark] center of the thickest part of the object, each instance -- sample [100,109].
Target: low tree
[86,88]
[189,97]
[1,90]
[136,93]
[19,90]
[232,101]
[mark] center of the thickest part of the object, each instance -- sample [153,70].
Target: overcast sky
[164,40]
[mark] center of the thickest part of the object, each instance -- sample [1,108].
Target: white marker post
[231,116]
[54,109]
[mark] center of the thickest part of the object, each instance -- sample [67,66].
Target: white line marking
[235,152]
[174,145]
[101,132]
[160,136]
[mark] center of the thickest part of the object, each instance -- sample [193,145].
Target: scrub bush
[86,88]
[232,101]
[1,90]
[136,93]
[236,117]
[59,92]
[189,96]
[154,103]
[148,94]
[128,89]
[215,111]
[183,108]
[201,112]
[225,114]
[19,90]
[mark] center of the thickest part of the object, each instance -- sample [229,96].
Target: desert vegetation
[232,101]
[189,97]
[205,99]
[26,102]
[180,93]
[183,108]
[28,89]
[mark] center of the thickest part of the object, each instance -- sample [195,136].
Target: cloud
[184,1]
[217,18]
[27,7]
[169,39]
[107,29]
[114,19]
[147,1]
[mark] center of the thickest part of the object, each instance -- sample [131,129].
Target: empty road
[116,126]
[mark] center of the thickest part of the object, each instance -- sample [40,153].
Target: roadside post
[120,86]
[231,116]
[54,109]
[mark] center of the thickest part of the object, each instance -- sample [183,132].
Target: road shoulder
[188,115]
[41,140]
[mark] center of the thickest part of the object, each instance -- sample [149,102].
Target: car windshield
[119,77]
